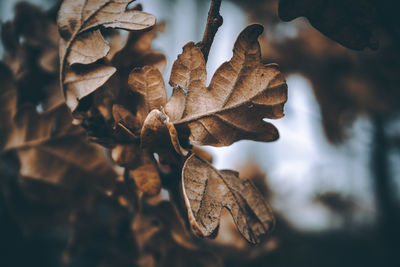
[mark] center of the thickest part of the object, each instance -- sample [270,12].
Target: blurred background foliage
[333,177]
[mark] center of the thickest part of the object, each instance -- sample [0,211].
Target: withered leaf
[31,51]
[78,21]
[136,51]
[49,148]
[207,191]
[162,239]
[149,83]
[82,83]
[159,135]
[146,175]
[141,165]
[90,47]
[127,155]
[241,94]
[123,116]
[202,153]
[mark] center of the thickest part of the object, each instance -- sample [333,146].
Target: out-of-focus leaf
[146,174]
[163,241]
[31,51]
[360,82]
[77,22]
[49,147]
[350,23]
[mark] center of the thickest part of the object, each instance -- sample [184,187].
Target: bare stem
[214,21]
[120,124]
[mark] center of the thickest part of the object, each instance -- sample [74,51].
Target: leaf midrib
[216,111]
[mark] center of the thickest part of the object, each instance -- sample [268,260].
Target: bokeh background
[333,177]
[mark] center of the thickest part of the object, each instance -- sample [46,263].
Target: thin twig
[214,21]
[120,124]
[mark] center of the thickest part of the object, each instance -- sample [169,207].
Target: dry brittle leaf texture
[90,47]
[77,16]
[85,81]
[82,43]
[149,83]
[241,94]
[207,191]
[159,135]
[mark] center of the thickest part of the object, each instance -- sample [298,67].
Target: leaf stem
[214,21]
[130,133]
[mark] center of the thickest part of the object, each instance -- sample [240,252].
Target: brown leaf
[137,52]
[252,172]
[202,153]
[133,55]
[128,156]
[77,22]
[207,191]
[163,240]
[89,48]
[8,101]
[124,116]
[69,162]
[146,175]
[241,94]
[31,52]
[79,84]
[49,148]
[149,83]
[159,135]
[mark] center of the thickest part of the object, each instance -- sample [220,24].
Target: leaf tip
[253,31]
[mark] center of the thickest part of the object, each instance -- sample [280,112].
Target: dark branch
[214,21]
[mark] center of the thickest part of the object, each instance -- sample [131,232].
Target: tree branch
[214,21]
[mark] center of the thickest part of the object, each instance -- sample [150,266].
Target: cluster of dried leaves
[115,96]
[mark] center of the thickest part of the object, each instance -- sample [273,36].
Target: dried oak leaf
[82,42]
[206,191]
[148,84]
[115,97]
[241,94]
[146,175]
[49,148]
[127,53]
